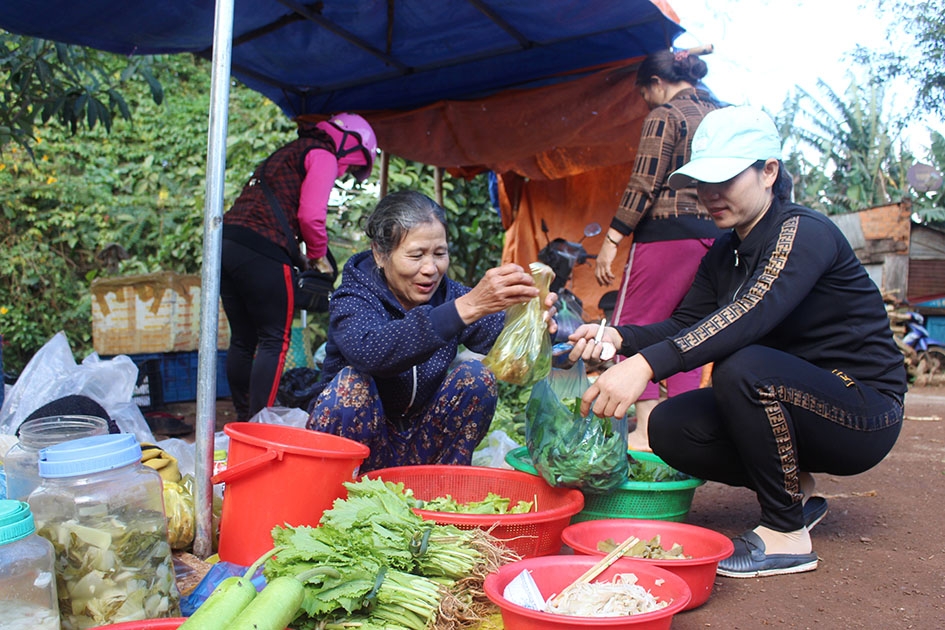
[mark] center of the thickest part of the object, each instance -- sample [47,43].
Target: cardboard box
[158,312]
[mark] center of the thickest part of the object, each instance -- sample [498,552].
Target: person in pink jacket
[280,212]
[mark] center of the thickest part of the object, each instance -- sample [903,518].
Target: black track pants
[256,294]
[768,416]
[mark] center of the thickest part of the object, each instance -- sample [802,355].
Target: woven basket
[654,500]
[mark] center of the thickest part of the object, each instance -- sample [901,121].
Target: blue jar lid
[89,455]
[16,521]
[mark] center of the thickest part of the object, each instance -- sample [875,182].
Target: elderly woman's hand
[499,289]
[550,310]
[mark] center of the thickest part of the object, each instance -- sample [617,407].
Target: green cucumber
[223,606]
[275,607]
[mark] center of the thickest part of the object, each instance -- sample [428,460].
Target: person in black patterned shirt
[807,377]
[670,230]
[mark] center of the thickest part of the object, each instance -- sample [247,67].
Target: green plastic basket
[654,500]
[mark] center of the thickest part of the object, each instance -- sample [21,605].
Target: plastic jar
[103,511]
[21,461]
[27,574]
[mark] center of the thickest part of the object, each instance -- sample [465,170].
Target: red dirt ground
[881,546]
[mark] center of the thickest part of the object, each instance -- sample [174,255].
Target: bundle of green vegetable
[384,567]
[572,451]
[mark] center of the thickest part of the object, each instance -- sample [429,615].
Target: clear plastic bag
[569,316]
[521,355]
[52,373]
[570,450]
[493,455]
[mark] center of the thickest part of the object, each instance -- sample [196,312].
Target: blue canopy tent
[362,55]
[389,60]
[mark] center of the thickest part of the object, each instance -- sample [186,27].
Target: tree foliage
[128,198]
[42,80]
[845,151]
[918,28]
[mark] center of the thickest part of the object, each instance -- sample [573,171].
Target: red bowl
[553,573]
[706,547]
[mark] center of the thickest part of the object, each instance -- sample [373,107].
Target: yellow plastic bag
[180,511]
[521,354]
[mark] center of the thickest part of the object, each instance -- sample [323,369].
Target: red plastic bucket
[279,475]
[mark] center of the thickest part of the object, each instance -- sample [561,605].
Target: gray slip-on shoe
[750,560]
[814,511]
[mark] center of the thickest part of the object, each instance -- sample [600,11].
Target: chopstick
[600,331]
[600,566]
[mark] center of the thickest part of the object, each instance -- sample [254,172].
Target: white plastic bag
[52,373]
[286,416]
[493,455]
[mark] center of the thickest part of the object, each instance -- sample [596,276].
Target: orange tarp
[563,153]
[542,133]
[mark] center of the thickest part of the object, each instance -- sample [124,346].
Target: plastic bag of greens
[521,355]
[572,451]
[569,383]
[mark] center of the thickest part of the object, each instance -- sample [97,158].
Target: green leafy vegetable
[390,569]
[492,504]
[654,472]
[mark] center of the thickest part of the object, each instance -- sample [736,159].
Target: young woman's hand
[611,395]
[588,348]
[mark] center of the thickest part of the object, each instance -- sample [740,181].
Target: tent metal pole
[210,275]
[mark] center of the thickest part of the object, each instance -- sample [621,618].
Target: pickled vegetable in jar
[103,512]
[27,574]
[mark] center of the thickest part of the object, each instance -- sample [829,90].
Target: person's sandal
[749,560]
[814,511]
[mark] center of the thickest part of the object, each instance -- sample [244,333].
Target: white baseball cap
[727,141]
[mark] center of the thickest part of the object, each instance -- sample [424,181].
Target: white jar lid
[89,455]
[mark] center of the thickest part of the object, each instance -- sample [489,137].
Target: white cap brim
[708,169]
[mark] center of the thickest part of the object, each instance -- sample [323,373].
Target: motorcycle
[917,335]
[562,256]
[930,352]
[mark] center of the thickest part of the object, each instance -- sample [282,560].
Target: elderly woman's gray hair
[398,213]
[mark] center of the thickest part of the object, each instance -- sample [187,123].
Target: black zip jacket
[794,284]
